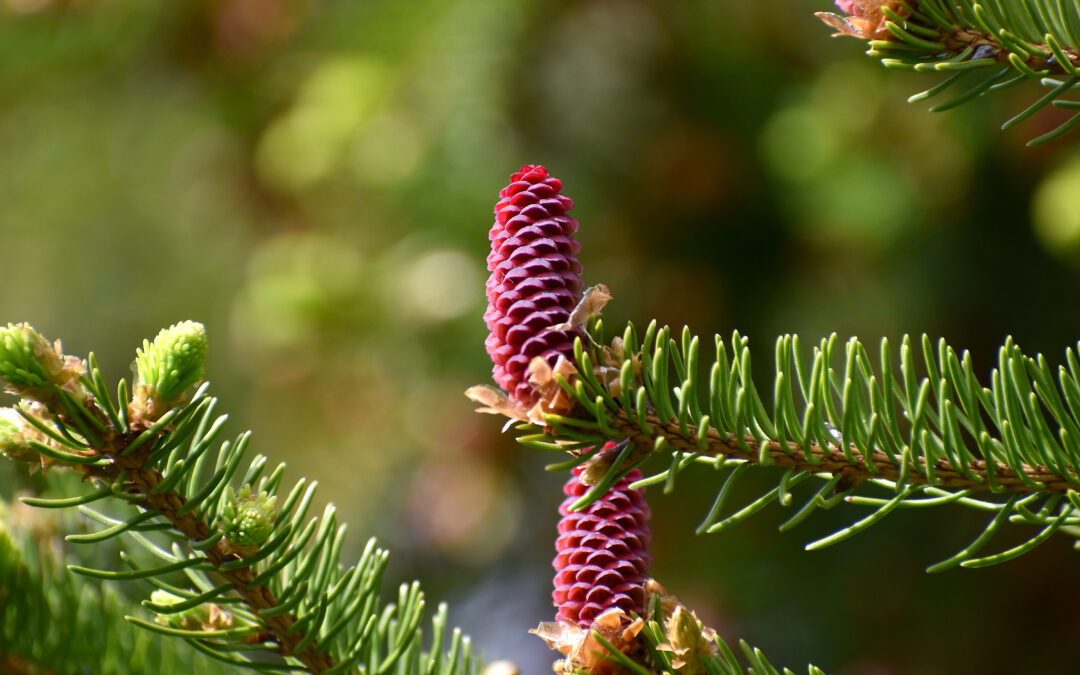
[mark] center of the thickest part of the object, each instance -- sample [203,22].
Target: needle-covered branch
[993,45]
[263,579]
[831,460]
[916,422]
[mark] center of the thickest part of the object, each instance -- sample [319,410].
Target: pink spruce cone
[602,557]
[534,280]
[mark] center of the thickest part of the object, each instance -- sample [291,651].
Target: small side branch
[259,598]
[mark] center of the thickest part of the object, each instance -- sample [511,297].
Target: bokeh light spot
[306,144]
[296,282]
[1056,207]
[440,285]
[388,150]
[799,143]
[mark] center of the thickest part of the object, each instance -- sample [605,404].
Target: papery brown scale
[865,19]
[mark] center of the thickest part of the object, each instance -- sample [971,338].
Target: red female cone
[534,285]
[534,282]
[602,560]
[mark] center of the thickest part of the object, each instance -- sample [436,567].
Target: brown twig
[832,459]
[962,38]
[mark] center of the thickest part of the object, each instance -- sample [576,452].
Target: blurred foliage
[53,621]
[314,181]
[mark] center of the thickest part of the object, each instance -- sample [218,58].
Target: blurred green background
[315,180]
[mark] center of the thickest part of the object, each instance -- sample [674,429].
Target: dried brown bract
[609,371]
[545,380]
[583,651]
[592,302]
[551,397]
[597,466]
[865,19]
[495,402]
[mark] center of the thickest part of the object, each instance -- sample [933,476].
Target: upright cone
[534,282]
[535,286]
[602,555]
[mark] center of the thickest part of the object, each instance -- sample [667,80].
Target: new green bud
[167,368]
[248,519]
[197,614]
[32,367]
[690,643]
[207,616]
[13,441]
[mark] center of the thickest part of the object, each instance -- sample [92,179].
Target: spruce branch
[537,311]
[263,580]
[1012,41]
[832,460]
[678,642]
[923,430]
[258,597]
[666,639]
[124,458]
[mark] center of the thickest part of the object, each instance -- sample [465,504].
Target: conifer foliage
[980,47]
[240,571]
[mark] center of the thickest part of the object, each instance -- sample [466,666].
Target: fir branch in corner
[268,590]
[127,458]
[1008,42]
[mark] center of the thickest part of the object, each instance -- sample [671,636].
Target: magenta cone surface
[602,555]
[534,282]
